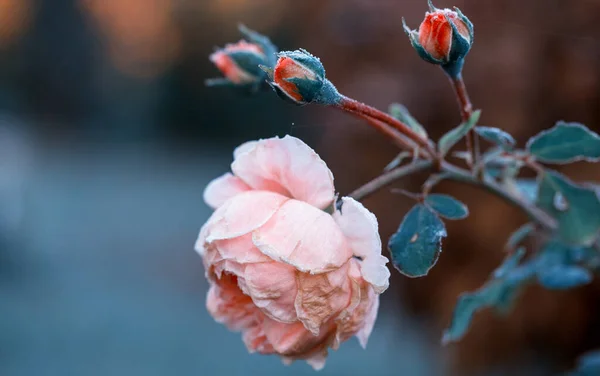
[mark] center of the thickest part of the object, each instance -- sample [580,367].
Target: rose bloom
[293,278]
[435,32]
[223,60]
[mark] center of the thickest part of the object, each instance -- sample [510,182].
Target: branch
[388,178]
[536,214]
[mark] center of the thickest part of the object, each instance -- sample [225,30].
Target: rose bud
[294,273]
[240,62]
[444,37]
[299,77]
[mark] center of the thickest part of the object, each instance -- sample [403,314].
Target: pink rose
[293,278]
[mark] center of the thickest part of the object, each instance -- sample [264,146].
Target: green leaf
[576,208]
[447,206]
[562,277]
[400,112]
[496,136]
[499,293]
[565,143]
[452,137]
[416,246]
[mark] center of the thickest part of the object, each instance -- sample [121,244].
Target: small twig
[388,178]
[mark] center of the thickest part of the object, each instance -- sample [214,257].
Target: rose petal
[303,236]
[256,341]
[272,287]
[244,148]
[222,189]
[322,297]
[240,249]
[287,339]
[368,320]
[228,305]
[360,228]
[287,166]
[242,214]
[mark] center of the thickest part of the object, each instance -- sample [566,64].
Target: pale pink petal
[317,361]
[200,245]
[244,148]
[256,341]
[242,214]
[287,339]
[362,234]
[287,166]
[228,305]
[303,236]
[360,320]
[222,189]
[322,297]
[272,287]
[369,320]
[240,249]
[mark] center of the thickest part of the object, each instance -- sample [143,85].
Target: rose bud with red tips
[240,62]
[299,77]
[444,38]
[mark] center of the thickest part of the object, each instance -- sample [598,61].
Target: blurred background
[108,137]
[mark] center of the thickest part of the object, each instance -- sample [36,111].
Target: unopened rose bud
[299,77]
[444,37]
[240,62]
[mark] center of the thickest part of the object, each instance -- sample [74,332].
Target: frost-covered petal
[287,166]
[362,234]
[322,297]
[222,189]
[303,236]
[272,287]
[242,214]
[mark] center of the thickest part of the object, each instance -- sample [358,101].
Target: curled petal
[303,236]
[222,189]
[360,228]
[286,166]
[242,214]
[272,287]
[322,297]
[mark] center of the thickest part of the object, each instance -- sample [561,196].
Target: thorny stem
[466,109]
[355,107]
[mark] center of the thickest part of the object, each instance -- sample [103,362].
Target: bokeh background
[108,137]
